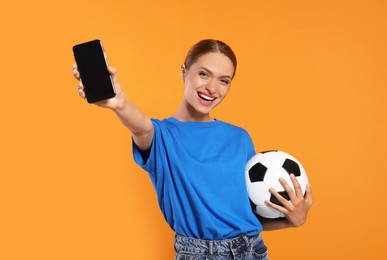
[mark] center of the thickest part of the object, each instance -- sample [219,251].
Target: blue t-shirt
[198,172]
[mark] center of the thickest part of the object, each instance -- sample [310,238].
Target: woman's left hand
[296,209]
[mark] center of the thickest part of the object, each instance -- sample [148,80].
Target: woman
[196,163]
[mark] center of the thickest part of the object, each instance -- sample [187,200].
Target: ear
[182,72]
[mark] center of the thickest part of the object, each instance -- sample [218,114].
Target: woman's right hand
[112,103]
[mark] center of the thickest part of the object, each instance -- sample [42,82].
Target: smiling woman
[207,83]
[208,218]
[207,72]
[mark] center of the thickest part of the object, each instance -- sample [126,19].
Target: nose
[211,87]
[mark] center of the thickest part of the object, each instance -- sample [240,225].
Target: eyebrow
[210,72]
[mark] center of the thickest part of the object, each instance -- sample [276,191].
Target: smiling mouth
[205,97]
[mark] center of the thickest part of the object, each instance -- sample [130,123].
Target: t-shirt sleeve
[249,145]
[144,153]
[147,159]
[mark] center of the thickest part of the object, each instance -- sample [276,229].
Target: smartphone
[92,66]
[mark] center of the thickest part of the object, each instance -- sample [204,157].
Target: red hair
[206,46]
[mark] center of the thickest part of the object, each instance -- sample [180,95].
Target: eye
[203,74]
[225,81]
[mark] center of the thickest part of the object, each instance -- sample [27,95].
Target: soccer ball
[263,171]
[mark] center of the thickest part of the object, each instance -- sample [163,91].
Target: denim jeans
[239,248]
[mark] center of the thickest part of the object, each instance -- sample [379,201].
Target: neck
[189,114]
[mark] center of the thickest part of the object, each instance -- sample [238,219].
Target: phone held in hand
[92,66]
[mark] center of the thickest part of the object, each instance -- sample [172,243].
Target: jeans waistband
[195,245]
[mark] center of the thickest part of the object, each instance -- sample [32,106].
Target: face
[207,82]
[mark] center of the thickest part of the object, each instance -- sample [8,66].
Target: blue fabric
[197,170]
[238,248]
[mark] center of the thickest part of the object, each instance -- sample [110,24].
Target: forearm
[136,121]
[275,224]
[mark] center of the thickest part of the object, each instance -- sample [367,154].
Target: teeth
[206,97]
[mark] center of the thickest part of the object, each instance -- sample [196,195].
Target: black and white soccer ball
[263,171]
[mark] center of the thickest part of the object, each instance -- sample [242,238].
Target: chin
[205,109]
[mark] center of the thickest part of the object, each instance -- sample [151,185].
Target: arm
[295,210]
[131,117]
[274,224]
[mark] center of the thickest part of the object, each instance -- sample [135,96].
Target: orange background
[311,81]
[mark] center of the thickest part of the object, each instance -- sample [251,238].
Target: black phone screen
[92,67]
